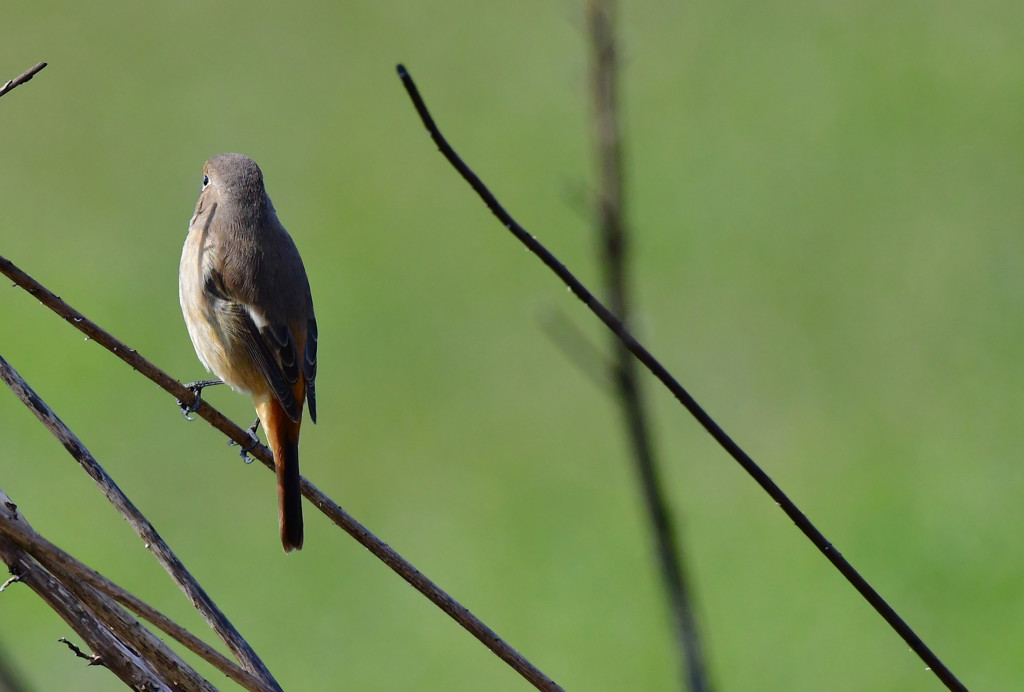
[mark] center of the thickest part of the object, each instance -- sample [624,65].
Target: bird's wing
[309,366]
[270,347]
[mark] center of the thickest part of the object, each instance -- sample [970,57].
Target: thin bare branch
[577,348]
[615,243]
[152,540]
[93,659]
[672,384]
[21,79]
[322,502]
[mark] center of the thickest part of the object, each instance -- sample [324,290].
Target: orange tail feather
[283,437]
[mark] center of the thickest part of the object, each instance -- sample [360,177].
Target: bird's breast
[198,258]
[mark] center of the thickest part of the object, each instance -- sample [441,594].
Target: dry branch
[152,540]
[659,371]
[71,570]
[108,650]
[25,76]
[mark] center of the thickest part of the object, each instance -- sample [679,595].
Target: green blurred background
[827,205]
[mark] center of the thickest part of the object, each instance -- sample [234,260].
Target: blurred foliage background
[826,199]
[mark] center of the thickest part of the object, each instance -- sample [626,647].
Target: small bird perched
[249,312]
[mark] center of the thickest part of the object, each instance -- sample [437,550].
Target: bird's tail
[283,437]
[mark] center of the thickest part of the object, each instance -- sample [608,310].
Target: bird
[249,311]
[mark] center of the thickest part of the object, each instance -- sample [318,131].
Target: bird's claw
[244,452]
[196,388]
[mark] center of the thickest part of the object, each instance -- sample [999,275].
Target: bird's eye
[206,180]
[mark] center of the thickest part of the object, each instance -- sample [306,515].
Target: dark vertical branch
[615,247]
[10,680]
[654,366]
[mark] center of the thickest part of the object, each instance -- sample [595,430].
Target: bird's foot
[196,388]
[255,442]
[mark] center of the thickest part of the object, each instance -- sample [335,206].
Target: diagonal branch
[21,79]
[615,246]
[322,502]
[672,384]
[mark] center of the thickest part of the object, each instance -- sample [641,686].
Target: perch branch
[326,505]
[677,390]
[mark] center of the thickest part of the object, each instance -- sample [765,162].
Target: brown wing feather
[271,350]
[309,367]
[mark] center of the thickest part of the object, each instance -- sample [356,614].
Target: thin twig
[21,79]
[164,555]
[93,659]
[326,505]
[71,570]
[615,253]
[577,348]
[677,390]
